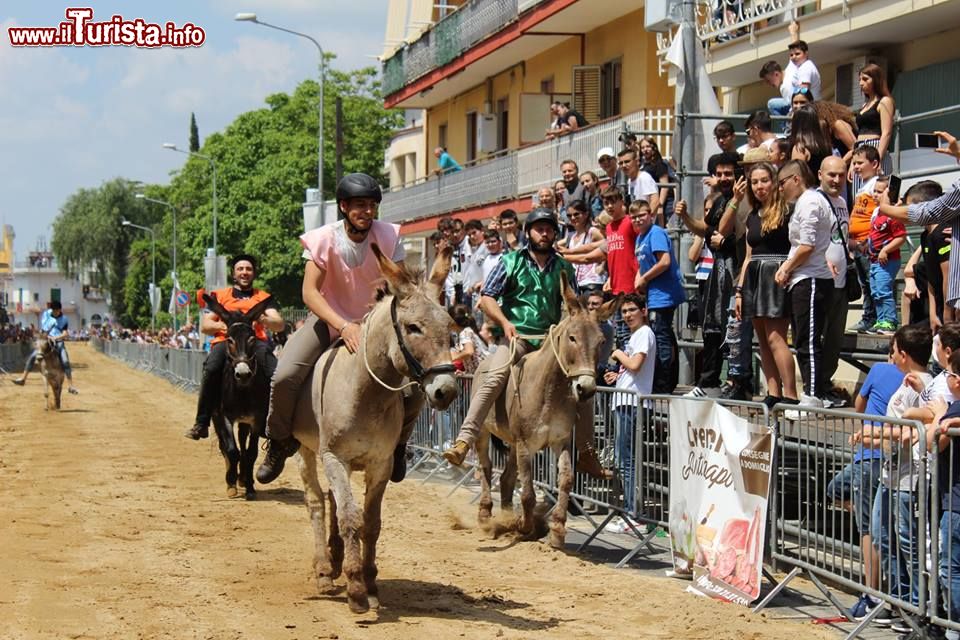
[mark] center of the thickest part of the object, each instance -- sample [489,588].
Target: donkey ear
[397,277]
[257,310]
[607,309]
[441,266]
[216,307]
[569,297]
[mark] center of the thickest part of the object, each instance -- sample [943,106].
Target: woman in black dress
[757,295]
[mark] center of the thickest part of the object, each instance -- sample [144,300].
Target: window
[546,86]
[610,75]
[54,295]
[471,136]
[442,135]
[503,129]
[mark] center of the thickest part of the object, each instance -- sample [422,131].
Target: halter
[549,337]
[417,372]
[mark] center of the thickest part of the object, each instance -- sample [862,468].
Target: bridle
[417,373]
[554,346]
[246,358]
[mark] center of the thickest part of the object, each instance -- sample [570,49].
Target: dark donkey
[244,399]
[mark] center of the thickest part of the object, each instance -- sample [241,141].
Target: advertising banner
[720,467]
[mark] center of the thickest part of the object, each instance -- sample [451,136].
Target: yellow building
[485,73]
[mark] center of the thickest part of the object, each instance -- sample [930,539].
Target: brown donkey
[539,408]
[362,413]
[51,368]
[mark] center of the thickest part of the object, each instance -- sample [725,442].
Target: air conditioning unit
[659,15]
[848,79]
[487,132]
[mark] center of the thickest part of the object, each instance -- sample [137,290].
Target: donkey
[538,409]
[245,397]
[51,367]
[360,415]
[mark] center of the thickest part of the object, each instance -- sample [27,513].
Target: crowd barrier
[14,356]
[820,491]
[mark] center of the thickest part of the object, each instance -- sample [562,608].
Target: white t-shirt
[937,388]
[807,73]
[811,224]
[837,251]
[489,262]
[640,381]
[643,187]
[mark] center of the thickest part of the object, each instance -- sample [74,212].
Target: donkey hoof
[359,605]
[250,495]
[558,539]
[374,602]
[325,585]
[231,491]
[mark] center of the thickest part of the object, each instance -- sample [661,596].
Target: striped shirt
[946,208]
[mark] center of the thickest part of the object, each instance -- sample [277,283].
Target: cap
[755,155]
[606,151]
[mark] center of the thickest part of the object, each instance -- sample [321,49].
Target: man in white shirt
[640,184]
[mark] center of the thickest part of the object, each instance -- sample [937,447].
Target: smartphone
[926,140]
[893,191]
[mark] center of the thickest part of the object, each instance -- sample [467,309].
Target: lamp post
[213,165]
[173,210]
[153,276]
[252,17]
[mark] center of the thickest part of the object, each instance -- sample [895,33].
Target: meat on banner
[719,480]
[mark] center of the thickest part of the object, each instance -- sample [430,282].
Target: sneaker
[72,390]
[861,327]
[19,382]
[833,400]
[886,617]
[884,328]
[805,401]
[900,625]
[864,607]
[770,401]
[696,392]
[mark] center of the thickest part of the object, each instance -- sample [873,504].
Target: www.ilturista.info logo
[79,30]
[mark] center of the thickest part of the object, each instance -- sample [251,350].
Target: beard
[546,247]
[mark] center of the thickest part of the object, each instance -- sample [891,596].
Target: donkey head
[241,337]
[44,346]
[580,340]
[421,345]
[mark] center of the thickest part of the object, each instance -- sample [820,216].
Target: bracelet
[344,326]
[738,289]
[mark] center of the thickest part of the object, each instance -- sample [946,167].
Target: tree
[194,134]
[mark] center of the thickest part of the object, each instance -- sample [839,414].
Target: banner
[720,468]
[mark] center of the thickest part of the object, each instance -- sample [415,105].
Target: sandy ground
[115,526]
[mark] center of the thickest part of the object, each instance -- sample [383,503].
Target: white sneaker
[696,392]
[806,401]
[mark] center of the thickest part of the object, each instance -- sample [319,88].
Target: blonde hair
[773,213]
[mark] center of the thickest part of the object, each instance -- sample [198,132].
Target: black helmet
[539,214]
[358,185]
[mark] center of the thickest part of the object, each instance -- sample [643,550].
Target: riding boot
[208,400]
[277,453]
[399,463]
[456,454]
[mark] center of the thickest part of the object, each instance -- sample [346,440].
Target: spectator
[658,276]
[758,298]
[865,164]
[494,244]
[839,125]
[607,160]
[556,122]
[470,349]
[887,235]
[636,377]
[654,164]
[546,199]
[725,136]
[772,73]
[857,484]
[805,273]
[591,193]
[807,140]
[759,128]
[508,230]
[779,152]
[640,185]
[474,251]
[572,190]
[581,234]
[935,251]
[801,71]
[833,175]
[568,121]
[445,162]
[875,118]
[595,300]
[715,290]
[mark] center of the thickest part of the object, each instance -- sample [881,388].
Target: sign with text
[720,468]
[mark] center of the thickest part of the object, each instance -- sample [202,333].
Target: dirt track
[115,526]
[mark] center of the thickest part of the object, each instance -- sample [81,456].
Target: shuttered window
[586,91]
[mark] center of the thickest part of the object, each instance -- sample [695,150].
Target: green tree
[194,134]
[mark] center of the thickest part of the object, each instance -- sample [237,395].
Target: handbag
[853,289]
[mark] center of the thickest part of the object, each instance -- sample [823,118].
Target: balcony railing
[446,40]
[521,172]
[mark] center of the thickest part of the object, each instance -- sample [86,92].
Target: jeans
[882,282]
[950,562]
[893,531]
[778,106]
[863,275]
[64,360]
[666,371]
[621,332]
[857,483]
[624,450]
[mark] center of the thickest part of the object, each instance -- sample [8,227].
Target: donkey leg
[376,482]
[350,519]
[248,456]
[335,540]
[528,498]
[486,476]
[508,480]
[558,518]
[229,451]
[313,497]
[57,391]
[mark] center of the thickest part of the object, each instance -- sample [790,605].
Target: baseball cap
[606,151]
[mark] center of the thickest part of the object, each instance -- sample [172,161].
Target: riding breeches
[299,356]
[494,381]
[64,360]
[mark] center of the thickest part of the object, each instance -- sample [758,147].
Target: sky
[75,117]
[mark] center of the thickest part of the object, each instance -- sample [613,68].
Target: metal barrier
[13,356]
[945,534]
[181,367]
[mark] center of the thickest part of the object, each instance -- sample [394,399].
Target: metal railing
[13,356]
[446,40]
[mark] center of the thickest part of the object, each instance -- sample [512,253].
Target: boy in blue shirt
[55,325]
[658,275]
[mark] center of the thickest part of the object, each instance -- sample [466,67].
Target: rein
[549,337]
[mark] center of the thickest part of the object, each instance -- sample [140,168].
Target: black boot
[399,463]
[197,431]
[277,453]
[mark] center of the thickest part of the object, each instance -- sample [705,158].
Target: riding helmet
[541,214]
[358,185]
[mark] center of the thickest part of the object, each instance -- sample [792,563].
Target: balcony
[520,172]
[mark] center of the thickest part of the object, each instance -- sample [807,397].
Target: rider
[241,297]
[54,324]
[527,285]
[340,278]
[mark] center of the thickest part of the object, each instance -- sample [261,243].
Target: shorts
[858,483]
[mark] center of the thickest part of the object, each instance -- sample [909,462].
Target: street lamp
[213,165]
[252,17]
[173,210]
[153,277]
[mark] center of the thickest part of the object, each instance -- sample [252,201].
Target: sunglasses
[783,181]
